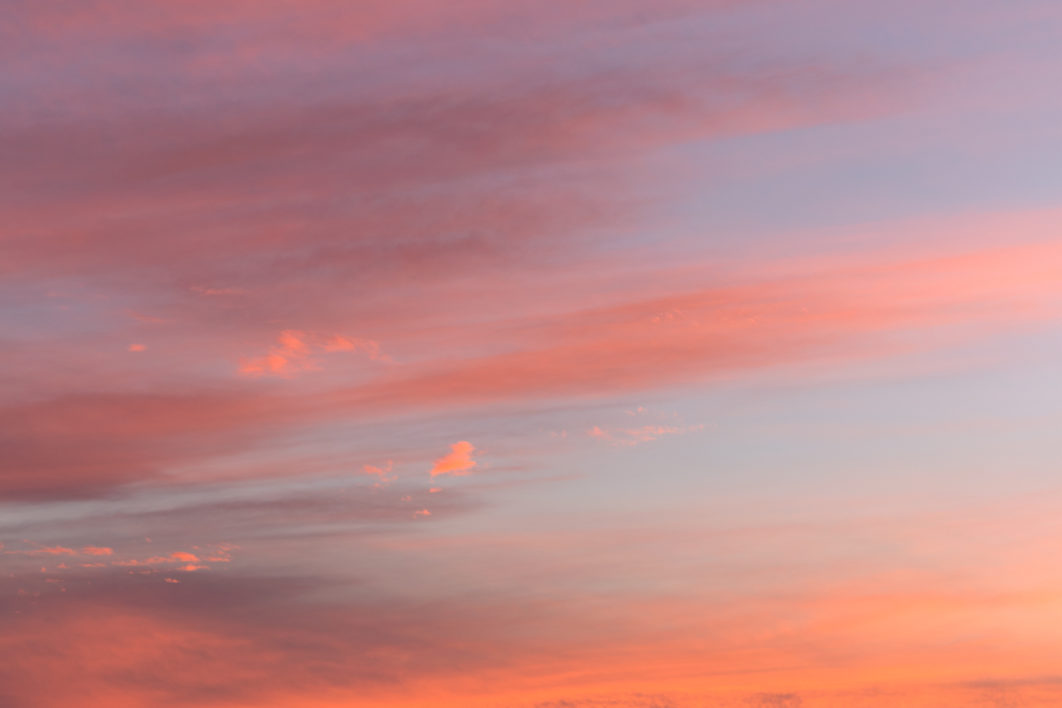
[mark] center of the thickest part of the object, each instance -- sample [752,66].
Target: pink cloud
[188,561]
[842,308]
[634,436]
[97,551]
[383,473]
[470,183]
[293,353]
[457,462]
[218,291]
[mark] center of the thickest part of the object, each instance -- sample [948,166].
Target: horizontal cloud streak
[851,308]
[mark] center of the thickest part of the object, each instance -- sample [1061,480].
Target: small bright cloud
[457,462]
[294,350]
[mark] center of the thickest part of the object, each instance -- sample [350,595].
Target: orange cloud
[136,562]
[381,472]
[97,551]
[457,462]
[137,347]
[191,561]
[293,353]
[47,551]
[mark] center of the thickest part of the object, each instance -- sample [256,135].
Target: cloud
[382,473]
[48,551]
[517,201]
[218,291]
[629,437]
[289,356]
[292,353]
[77,445]
[706,631]
[300,215]
[510,156]
[854,307]
[458,462]
[337,343]
[240,637]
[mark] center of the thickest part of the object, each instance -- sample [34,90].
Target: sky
[530,354]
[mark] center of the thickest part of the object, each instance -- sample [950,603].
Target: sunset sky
[530,354]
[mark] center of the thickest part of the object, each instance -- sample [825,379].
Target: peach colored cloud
[292,353]
[457,462]
[180,560]
[382,473]
[379,471]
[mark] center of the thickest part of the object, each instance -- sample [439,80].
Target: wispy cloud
[262,263]
[628,436]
